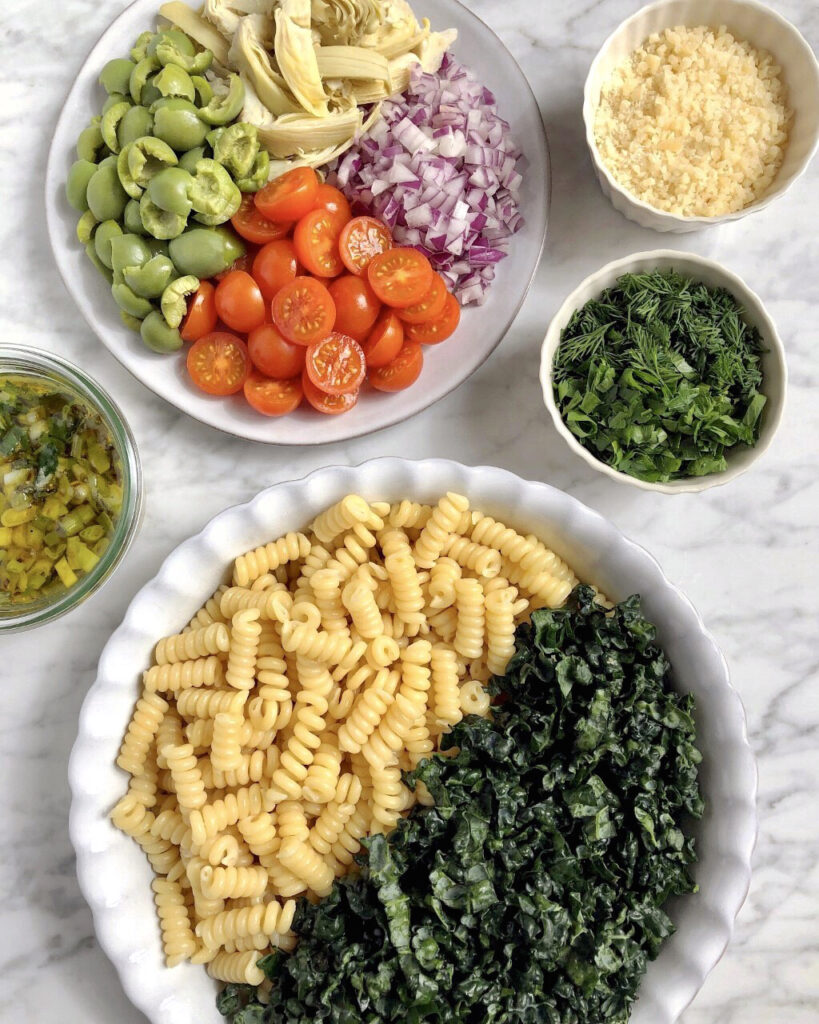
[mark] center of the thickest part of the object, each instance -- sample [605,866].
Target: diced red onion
[441,169]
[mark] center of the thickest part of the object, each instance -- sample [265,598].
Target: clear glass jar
[38,364]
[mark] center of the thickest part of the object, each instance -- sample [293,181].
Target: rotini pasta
[271,733]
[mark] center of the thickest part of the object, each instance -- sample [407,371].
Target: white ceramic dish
[445,366]
[749,20]
[114,874]
[774,367]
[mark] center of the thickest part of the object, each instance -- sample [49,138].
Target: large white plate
[445,367]
[113,872]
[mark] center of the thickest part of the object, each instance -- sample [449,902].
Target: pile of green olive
[158,175]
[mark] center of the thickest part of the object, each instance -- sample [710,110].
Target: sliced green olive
[205,252]
[103,236]
[128,250]
[106,196]
[158,335]
[131,218]
[124,172]
[85,227]
[113,100]
[133,323]
[110,124]
[237,148]
[152,278]
[170,190]
[147,157]
[116,75]
[189,160]
[173,36]
[76,184]
[136,123]
[177,122]
[90,141]
[127,300]
[173,304]
[227,106]
[173,81]
[140,75]
[204,90]
[169,51]
[214,195]
[150,93]
[140,48]
[91,253]
[158,222]
[258,176]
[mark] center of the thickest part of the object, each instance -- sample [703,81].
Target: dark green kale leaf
[533,890]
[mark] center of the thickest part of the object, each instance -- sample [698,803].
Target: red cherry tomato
[432,332]
[385,339]
[357,308]
[273,355]
[275,264]
[330,405]
[316,240]
[431,306]
[272,397]
[336,365]
[400,277]
[288,197]
[252,225]
[304,311]
[361,239]
[201,316]
[239,301]
[402,372]
[334,201]
[218,363]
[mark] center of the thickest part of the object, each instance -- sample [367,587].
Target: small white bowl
[774,367]
[747,20]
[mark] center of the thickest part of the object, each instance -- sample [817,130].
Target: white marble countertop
[745,554]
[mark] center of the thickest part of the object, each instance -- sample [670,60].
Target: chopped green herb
[533,890]
[660,377]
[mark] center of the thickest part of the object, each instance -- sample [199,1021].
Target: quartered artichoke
[310,66]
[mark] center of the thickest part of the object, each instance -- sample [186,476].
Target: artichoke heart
[355,62]
[345,21]
[433,46]
[294,134]
[250,57]
[400,71]
[197,28]
[296,56]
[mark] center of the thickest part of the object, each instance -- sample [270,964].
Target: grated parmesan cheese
[694,122]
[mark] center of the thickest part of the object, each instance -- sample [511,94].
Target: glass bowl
[45,366]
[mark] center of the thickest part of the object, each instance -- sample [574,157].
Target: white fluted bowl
[114,874]
[761,26]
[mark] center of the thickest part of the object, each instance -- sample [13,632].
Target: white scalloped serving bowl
[115,876]
[761,26]
[445,366]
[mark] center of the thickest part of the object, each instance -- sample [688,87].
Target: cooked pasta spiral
[382,651]
[469,631]
[344,515]
[446,703]
[232,883]
[209,612]
[388,798]
[326,586]
[311,707]
[209,703]
[273,603]
[508,542]
[226,747]
[210,818]
[359,601]
[184,675]
[187,779]
[409,514]
[244,644]
[265,919]
[150,710]
[442,583]
[198,643]
[237,968]
[256,563]
[406,587]
[177,937]
[259,832]
[444,520]
[322,775]
[302,860]
[366,714]
[479,559]
[474,699]
[300,638]
[500,628]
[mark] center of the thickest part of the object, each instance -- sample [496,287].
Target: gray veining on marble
[745,554]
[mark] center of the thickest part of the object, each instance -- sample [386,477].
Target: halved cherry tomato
[385,339]
[316,241]
[361,240]
[255,227]
[432,332]
[288,197]
[275,264]
[330,405]
[400,277]
[430,306]
[273,397]
[304,311]
[239,301]
[274,355]
[403,371]
[201,316]
[331,199]
[218,363]
[336,364]
[357,308]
